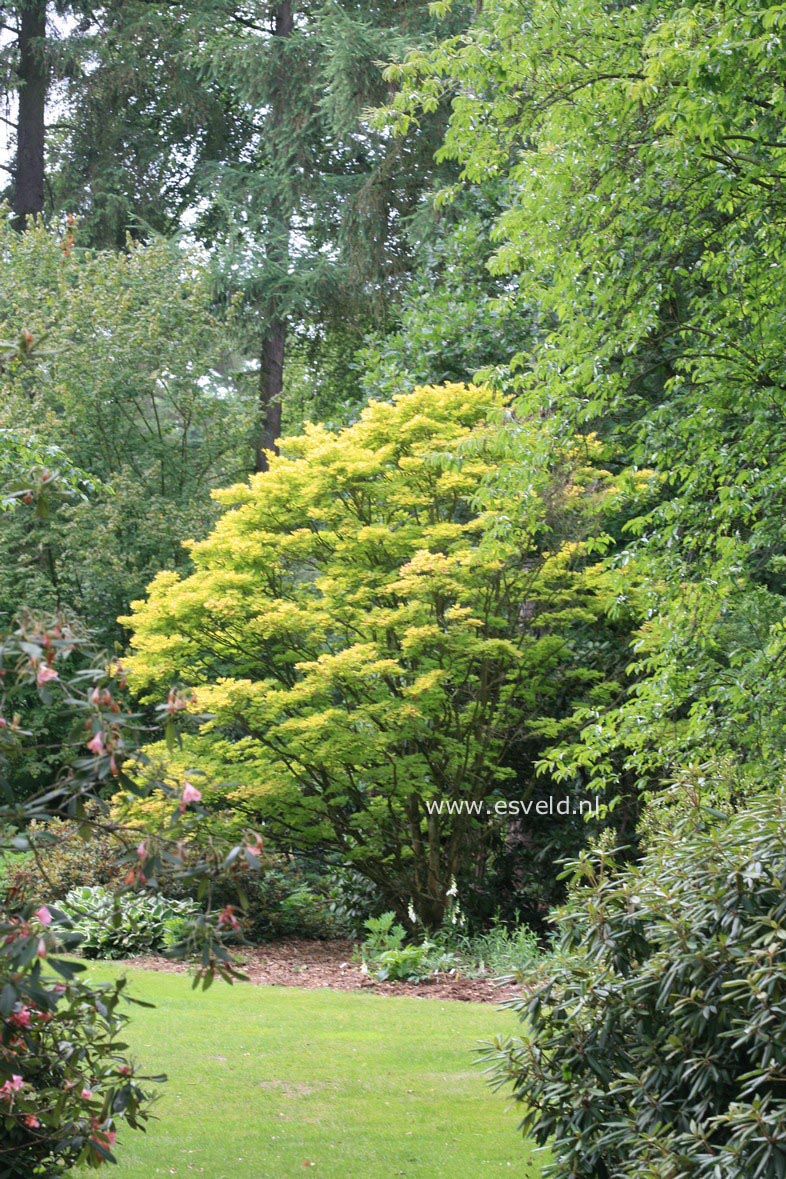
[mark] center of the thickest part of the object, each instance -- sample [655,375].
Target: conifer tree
[249,123]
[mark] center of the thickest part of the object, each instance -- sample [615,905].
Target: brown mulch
[295,962]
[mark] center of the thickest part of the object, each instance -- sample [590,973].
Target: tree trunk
[271,382]
[30,133]
[279,213]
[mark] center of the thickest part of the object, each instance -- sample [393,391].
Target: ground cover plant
[123,926]
[277,1081]
[499,952]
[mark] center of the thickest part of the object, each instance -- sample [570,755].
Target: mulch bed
[295,962]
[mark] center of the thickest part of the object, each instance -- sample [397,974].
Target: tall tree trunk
[30,134]
[279,213]
[271,384]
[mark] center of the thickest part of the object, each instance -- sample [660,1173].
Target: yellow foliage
[371,618]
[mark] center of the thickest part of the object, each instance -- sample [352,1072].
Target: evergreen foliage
[655,1045]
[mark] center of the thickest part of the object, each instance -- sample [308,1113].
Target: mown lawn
[272,1083]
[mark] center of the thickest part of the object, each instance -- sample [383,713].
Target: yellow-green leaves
[370,623]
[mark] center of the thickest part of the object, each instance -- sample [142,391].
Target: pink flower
[255,849]
[102,1137]
[45,674]
[141,851]
[96,745]
[86,1094]
[12,1086]
[43,915]
[227,917]
[175,702]
[190,794]
[41,951]
[32,1121]
[20,1018]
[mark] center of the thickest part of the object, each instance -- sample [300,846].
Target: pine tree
[250,122]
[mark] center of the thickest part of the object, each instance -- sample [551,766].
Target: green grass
[264,1081]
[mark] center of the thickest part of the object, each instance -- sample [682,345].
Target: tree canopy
[640,151]
[370,635]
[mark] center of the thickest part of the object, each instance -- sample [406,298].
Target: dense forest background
[398,392]
[228,221]
[236,219]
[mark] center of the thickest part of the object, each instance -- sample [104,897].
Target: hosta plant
[123,926]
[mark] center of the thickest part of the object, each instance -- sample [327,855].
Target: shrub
[286,899]
[656,1048]
[286,896]
[126,925]
[353,898]
[65,1086]
[69,857]
[372,628]
[32,765]
[65,1083]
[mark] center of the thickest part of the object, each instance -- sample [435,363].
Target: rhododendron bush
[65,1081]
[67,1087]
